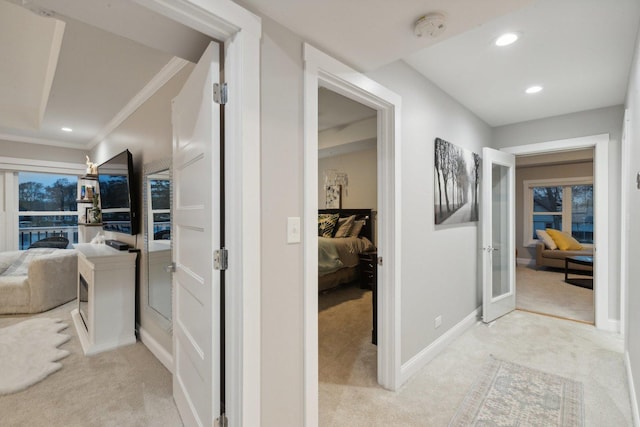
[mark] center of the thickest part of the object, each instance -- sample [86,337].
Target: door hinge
[221,259]
[220,93]
[379,260]
[221,421]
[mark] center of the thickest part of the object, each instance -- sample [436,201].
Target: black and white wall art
[457,180]
[333,194]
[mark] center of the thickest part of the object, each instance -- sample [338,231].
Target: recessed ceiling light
[533,89]
[67,129]
[506,39]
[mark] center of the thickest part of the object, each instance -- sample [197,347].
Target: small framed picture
[333,199]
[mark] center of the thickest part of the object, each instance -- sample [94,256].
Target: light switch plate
[293,229]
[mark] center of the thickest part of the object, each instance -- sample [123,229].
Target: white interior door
[196,231]
[498,234]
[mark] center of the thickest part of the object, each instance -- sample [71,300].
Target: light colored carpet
[507,394]
[350,396]
[29,352]
[127,386]
[545,291]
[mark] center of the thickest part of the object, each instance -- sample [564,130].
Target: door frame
[321,70]
[600,143]
[240,31]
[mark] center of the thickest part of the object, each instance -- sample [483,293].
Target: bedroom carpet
[349,396]
[123,387]
[545,292]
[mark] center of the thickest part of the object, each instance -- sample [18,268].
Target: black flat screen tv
[117,194]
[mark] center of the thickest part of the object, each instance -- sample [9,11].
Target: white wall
[633,232]
[439,267]
[361,166]
[23,150]
[148,134]
[282,292]
[593,122]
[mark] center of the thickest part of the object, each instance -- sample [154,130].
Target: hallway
[569,349]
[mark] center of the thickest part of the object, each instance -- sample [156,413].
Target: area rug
[29,353]
[507,394]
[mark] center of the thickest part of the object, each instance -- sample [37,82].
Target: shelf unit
[83,202]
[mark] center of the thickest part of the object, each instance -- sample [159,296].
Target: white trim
[625,156]
[45,166]
[529,262]
[240,31]
[557,145]
[528,213]
[156,83]
[42,141]
[601,212]
[632,390]
[322,70]
[156,349]
[417,362]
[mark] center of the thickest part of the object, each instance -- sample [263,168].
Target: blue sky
[46,179]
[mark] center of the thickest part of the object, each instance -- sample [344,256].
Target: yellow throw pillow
[564,240]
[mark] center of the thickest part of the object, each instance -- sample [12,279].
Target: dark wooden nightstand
[369,280]
[368,269]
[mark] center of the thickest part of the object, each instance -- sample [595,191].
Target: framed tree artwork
[457,178]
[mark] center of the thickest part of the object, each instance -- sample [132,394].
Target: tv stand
[106,318]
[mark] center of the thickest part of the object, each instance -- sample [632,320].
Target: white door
[196,231]
[498,234]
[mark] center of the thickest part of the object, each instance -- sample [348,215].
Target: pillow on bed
[543,236]
[357,227]
[344,226]
[326,224]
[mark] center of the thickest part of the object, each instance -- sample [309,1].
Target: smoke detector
[432,25]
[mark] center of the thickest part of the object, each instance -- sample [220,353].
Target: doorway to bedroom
[555,234]
[347,251]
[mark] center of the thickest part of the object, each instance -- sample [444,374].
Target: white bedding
[337,253]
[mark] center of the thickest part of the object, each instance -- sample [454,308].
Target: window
[46,207]
[160,190]
[565,205]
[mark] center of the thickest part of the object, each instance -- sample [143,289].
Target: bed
[338,254]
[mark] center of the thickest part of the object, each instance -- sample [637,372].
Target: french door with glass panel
[498,234]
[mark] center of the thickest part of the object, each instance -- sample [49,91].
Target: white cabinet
[105,318]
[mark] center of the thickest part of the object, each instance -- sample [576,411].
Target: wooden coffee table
[579,260]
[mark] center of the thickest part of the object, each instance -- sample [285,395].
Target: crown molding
[42,141]
[159,80]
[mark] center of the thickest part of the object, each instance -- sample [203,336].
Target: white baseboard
[529,262]
[632,390]
[610,325]
[158,351]
[418,361]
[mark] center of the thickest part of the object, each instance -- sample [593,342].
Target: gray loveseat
[555,257]
[37,280]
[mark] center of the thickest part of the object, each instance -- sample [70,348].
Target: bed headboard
[367,228]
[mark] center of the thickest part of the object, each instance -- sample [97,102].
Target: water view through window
[47,207]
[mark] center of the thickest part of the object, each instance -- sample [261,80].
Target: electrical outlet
[438,321]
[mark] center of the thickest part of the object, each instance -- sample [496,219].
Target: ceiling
[85,81]
[580,51]
[63,72]
[335,110]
